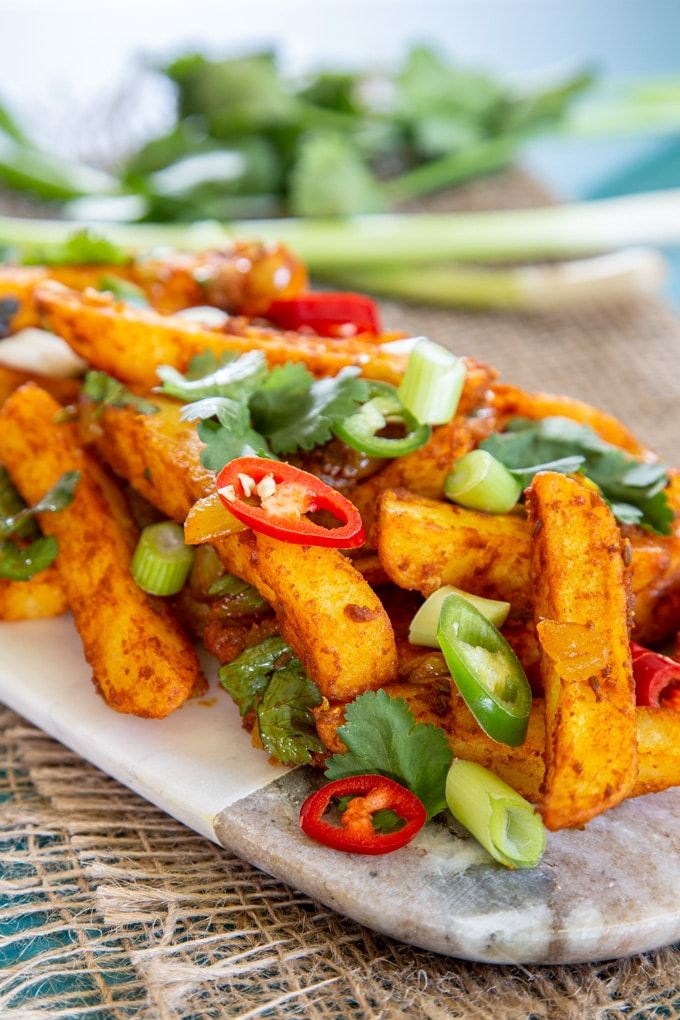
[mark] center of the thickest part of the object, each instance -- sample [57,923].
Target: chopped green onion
[227,584]
[481,482]
[505,824]
[485,670]
[432,383]
[161,562]
[423,629]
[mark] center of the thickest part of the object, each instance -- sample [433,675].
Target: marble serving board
[609,891]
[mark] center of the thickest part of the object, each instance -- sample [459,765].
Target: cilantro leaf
[103,389]
[633,488]
[82,247]
[285,724]
[280,395]
[237,378]
[564,465]
[268,679]
[19,563]
[248,676]
[206,362]
[383,736]
[11,504]
[55,499]
[229,437]
[310,421]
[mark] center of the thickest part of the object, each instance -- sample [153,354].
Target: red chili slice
[329,313]
[657,678]
[281,514]
[356,833]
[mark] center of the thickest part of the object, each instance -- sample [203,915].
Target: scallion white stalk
[432,383]
[564,231]
[615,277]
[504,823]
[423,629]
[481,482]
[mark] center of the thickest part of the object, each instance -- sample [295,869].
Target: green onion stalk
[504,823]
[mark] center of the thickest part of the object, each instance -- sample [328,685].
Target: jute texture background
[110,909]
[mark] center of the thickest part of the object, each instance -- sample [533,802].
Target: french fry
[510,401]
[131,343]
[489,554]
[142,662]
[485,554]
[657,733]
[326,610]
[580,597]
[41,596]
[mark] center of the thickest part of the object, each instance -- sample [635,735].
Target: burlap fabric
[110,909]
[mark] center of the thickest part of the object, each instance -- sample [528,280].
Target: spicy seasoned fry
[41,596]
[142,662]
[581,614]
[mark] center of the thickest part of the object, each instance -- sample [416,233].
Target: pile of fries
[580,586]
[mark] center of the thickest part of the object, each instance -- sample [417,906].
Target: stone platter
[611,890]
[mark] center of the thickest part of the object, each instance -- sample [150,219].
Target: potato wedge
[579,581]
[131,343]
[40,597]
[510,401]
[326,610]
[485,554]
[657,732]
[142,662]
[489,554]
[64,390]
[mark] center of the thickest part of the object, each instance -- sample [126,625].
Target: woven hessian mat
[110,909]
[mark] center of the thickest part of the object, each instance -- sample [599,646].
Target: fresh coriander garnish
[382,735]
[633,488]
[18,561]
[106,391]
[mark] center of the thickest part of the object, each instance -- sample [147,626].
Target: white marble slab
[611,890]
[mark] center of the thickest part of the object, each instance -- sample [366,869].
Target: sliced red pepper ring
[657,678]
[328,313]
[356,833]
[286,494]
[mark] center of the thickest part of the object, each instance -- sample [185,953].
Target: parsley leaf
[383,736]
[269,679]
[103,389]
[81,248]
[237,378]
[633,488]
[310,422]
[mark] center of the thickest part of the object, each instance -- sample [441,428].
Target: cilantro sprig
[23,551]
[243,409]
[269,680]
[633,488]
[103,389]
[382,736]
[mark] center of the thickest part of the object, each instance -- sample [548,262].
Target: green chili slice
[485,670]
[382,409]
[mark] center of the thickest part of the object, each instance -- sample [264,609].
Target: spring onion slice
[505,824]
[432,383]
[423,629]
[161,561]
[481,482]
